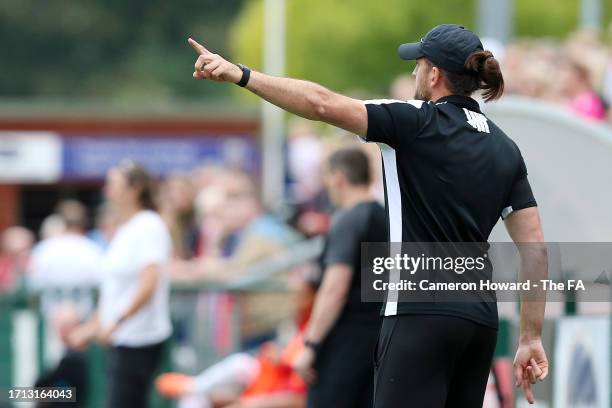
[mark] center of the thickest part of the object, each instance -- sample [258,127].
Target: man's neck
[355,196]
[439,95]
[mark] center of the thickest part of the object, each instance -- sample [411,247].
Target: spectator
[15,247]
[52,226]
[583,100]
[343,329]
[252,234]
[177,209]
[65,266]
[106,224]
[133,317]
[583,80]
[304,161]
[243,232]
[305,152]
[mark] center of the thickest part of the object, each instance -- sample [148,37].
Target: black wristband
[312,345]
[246,75]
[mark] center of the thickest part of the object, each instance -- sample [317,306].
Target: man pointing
[450,174]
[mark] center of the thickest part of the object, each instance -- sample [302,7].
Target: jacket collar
[461,101]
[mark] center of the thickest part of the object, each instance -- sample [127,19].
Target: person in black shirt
[342,329]
[450,173]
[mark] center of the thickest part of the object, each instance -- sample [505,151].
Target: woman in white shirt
[133,314]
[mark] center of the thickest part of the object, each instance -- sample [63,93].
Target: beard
[422,93]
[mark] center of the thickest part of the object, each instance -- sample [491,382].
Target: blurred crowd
[575,73]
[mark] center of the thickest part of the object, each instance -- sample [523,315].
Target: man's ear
[436,76]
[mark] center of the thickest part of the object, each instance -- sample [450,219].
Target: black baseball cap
[447,46]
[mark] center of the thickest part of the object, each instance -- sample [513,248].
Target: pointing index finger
[528,392]
[199,48]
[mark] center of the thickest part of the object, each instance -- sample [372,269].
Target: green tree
[112,50]
[546,18]
[347,45]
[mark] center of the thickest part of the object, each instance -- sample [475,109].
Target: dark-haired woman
[450,174]
[133,314]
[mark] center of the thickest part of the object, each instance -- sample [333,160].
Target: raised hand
[213,66]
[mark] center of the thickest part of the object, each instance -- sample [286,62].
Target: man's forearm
[534,266]
[297,96]
[303,98]
[325,313]
[311,101]
[532,318]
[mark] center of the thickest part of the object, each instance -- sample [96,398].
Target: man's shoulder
[411,108]
[357,214]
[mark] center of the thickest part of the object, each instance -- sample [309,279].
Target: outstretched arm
[304,98]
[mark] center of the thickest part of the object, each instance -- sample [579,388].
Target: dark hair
[72,213]
[354,164]
[138,177]
[484,73]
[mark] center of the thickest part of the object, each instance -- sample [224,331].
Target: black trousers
[130,373]
[432,361]
[345,373]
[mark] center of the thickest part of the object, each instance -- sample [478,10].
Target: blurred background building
[85,85]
